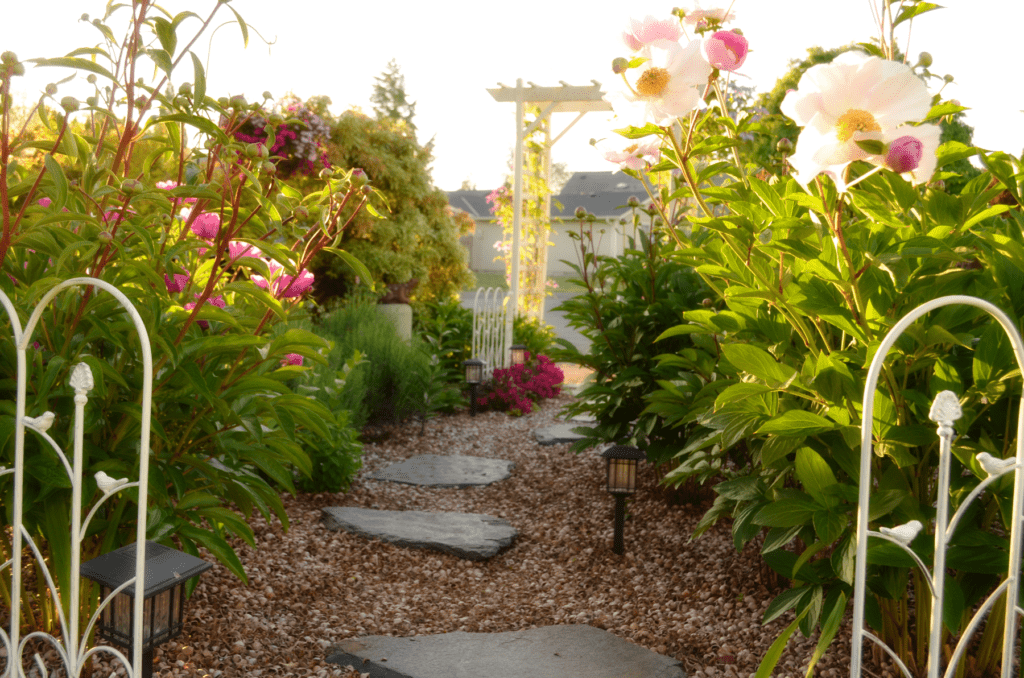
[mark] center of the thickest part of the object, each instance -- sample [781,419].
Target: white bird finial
[993,465]
[42,423]
[108,484]
[903,533]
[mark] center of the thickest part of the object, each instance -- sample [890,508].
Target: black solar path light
[167,572]
[518,354]
[622,461]
[474,375]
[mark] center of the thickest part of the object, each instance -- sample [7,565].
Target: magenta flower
[216,300]
[238,249]
[726,50]
[168,185]
[45,202]
[282,285]
[292,359]
[904,154]
[177,284]
[206,225]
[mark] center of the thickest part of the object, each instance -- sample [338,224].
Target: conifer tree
[389,98]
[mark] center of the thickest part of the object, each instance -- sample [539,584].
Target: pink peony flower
[45,202]
[904,154]
[644,31]
[216,300]
[700,18]
[238,249]
[635,156]
[177,284]
[282,285]
[169,184]
[206,225]
[292,359]
[726,50]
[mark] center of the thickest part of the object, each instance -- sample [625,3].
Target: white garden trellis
[71,646]
[945,411]
[564,99]
[489,329]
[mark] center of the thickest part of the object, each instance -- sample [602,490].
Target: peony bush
[516,388]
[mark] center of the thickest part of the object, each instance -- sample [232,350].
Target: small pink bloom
[701,17]
[904,154]
[645,31]
[206,225]
[216,300]
[292,359]
[45,202]
[177,284]
[726,50]
[287,286]
[635,156]
[169,184]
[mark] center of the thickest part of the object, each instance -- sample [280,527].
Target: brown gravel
[309,588]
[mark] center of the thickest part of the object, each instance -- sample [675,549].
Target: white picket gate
[70,647]
[945,411]
[489,329]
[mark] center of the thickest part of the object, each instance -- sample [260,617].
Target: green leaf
[639,132]
[165,33]
[945,108]
[872,146]
[196,121]
[161,58]
[951,151]
[816,476]
[241,24]
[60,182]
[883,502]
[197,498]
[771,657]
[911,11]
[760,363]
[216,545]
[788,512]
[834,610]
[797,423]
[357,266]
[985,214]
[782,602]
[74,62]
[199,86]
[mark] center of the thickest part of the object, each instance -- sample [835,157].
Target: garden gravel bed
[310,588]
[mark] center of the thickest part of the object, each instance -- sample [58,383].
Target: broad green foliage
[629,303]
[417,236]
[807,283]
[80,196]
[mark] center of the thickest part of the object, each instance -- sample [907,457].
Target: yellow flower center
[855,120]
[631,149]
[652,82]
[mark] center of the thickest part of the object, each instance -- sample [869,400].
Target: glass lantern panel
[122,605]
[162,613]
[147,621]
[622,475]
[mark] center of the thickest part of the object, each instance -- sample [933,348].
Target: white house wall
[482,251]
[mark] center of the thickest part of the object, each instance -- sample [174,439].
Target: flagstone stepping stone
[568,651]
[472,536]
[558,433]
[446,471]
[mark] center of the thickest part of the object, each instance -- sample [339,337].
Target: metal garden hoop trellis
[945,411]
[71,649]
[489,329]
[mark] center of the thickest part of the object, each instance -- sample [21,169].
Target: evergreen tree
[389,97]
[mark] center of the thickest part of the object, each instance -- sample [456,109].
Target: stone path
[559,433]
[467,535]
[452,471]
[570,651]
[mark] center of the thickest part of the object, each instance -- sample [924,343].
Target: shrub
[538,337]
[447,328]
[516,388]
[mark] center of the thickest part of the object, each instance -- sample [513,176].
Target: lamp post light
[474,375]
[518,354]
[622,461]
[167,572]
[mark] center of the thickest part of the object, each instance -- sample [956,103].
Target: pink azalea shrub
[516,389]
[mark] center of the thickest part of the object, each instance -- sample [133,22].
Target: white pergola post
[564,99]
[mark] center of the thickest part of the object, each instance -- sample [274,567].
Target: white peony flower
[858,98]
[668,85]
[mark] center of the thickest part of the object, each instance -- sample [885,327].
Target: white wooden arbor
[563,99]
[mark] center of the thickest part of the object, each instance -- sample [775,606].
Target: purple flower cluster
[516,389]
[297,146]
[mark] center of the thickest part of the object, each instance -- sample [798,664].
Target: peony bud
[301,213]
[326,173]
[581,213]
[69,104]
[51,89]
[706,303]
[904,154]
[91,78]
[924,59]
[633,201]
[237,102]
[9,57]
[92,101]
[185,88]
[267,95]
[620,65]
[132,186]
[947,78]
[275,119]
[268,167]
[104,237]
[784,146]
[726,50]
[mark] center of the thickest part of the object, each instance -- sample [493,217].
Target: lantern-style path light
[518,354]
[167,572]
[622,461]
[474,375]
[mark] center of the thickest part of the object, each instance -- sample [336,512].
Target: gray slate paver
[472,536]
[558,433]
[565,651]
[446,471]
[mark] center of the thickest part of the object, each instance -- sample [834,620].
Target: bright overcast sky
[451,51]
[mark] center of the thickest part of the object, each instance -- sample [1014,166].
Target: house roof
[473,203]
[591,183]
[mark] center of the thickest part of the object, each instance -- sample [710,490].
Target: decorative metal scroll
[70,647]
[489,329]
[945,411]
